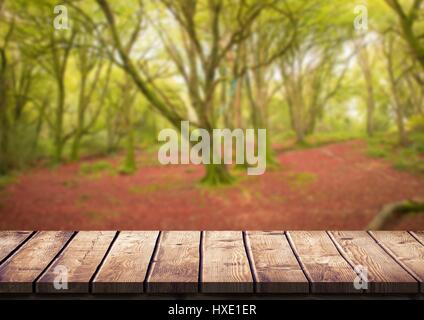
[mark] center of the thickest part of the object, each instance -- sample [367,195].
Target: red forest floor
[330,187]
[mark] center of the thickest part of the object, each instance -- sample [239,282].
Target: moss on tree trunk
[217,174]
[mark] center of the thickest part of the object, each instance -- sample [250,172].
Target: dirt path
[331,187]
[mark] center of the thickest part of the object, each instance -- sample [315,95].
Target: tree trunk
[390,214]
[217,174]
[39,125]
[75,156]
[407,21]
[80,120]
[367,72]
[4,133]
[259,106]
[129,165]
[75,150]
[300,136]
[370,113]
[58,139]
[4,121]
[110,130]
[296,115]
[295,103]
[313,115]
[403,139]
[397,102]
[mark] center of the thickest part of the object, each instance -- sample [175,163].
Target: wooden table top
[292,262]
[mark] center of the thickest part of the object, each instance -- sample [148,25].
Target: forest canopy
[79,78]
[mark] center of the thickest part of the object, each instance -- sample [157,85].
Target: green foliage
[150,188]
[325,138]
[379,146]
[84,198]
[6,180]
[416,124]
[412,207]
[129,166]
[417,141]
[115,115]
[217,175]
[409,158]
[92,145]
[127,169]
[21,150]
[301,179]
[71,184]
[96,168]
[376,152]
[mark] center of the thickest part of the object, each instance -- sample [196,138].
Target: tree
[4,100]
[87,61]
[396,75]
[60,47]
[408,21]
[270,41]
[17,76]
[364,63]
[308,84]
[198,66]
[128,98]
[313,70]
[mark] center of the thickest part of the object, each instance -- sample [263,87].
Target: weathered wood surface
[10,240]
[175,268]
[19,272]
[125,267]
[384,274]
[225,266]
[419,235]
[76,264]
[274,264]
[140,262]
[402,247]
[326,269]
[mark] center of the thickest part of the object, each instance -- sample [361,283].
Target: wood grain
[225,266]
[175,268]
[213,261]
[405,249]
[275,265]
[9,240]
[124,269]
[419,235]
[384,274]
[79,260]
[325,268]
[19,272]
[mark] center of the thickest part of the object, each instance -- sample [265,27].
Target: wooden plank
[125,267]
[78,261]
[405,249]
[384,274]
[9,240]
[175,267]
[419,235]
[19,272]
[326,269]
[225,266]
[275,265]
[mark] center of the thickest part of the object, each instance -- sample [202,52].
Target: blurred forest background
[339,86]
